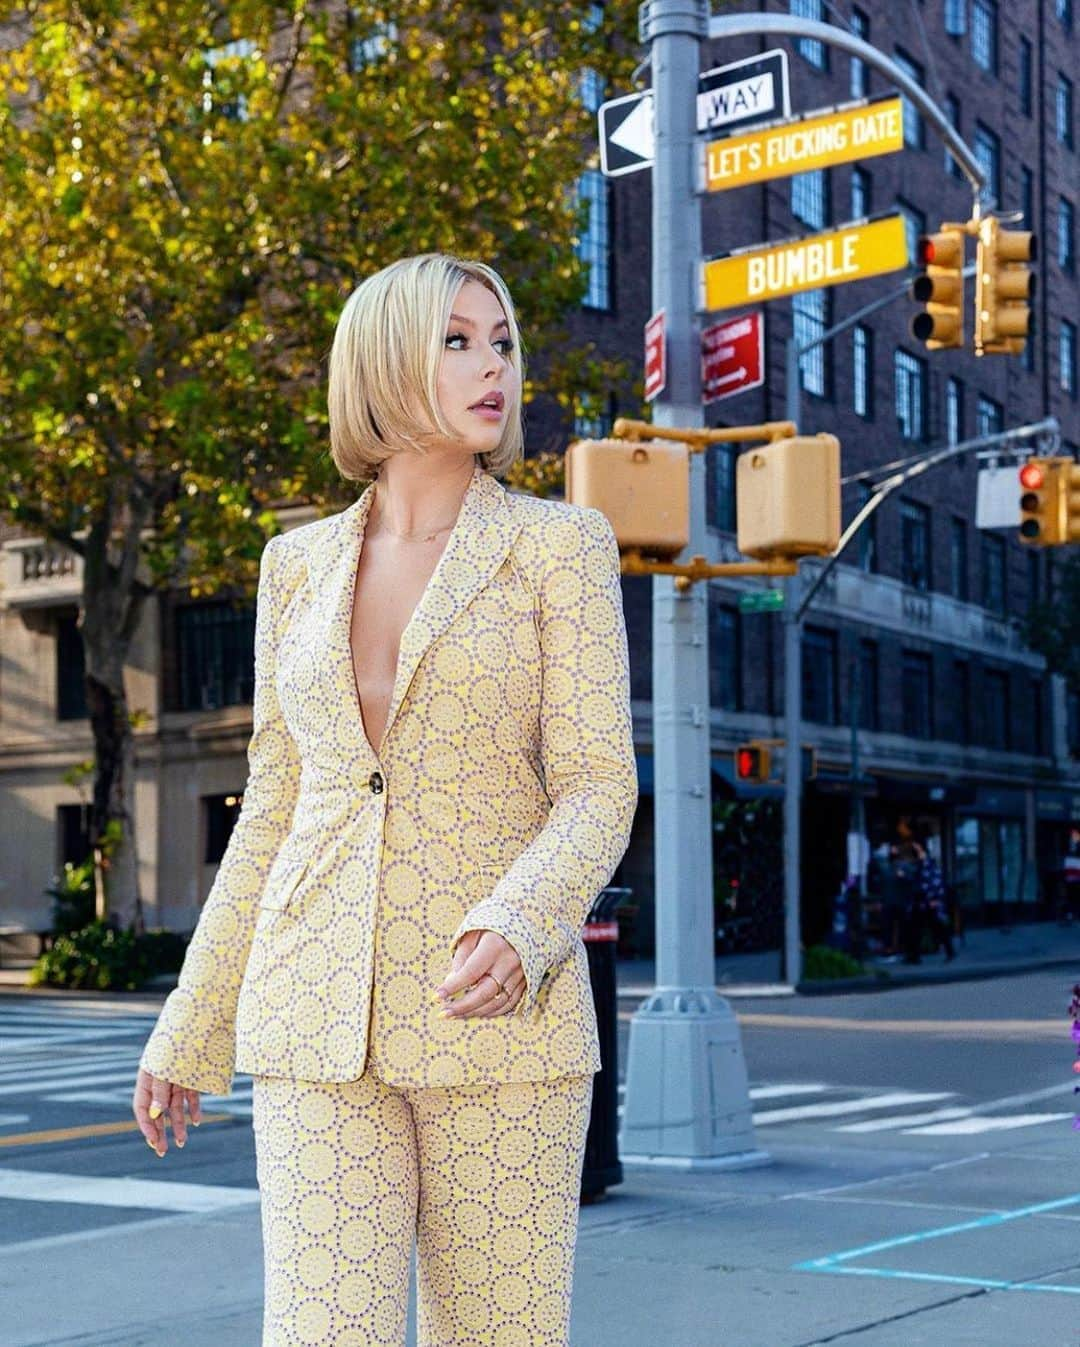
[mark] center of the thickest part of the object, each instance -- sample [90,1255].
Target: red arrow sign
[732,357]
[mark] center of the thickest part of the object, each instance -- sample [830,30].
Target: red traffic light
[1032,476]
[746,763]
[924,251]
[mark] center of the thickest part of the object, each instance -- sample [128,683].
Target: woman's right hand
[154,1096]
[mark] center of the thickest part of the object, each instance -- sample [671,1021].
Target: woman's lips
[488,413]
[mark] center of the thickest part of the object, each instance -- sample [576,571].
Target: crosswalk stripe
[785,1091]
[45,1070]
[972,1126]
[905,1120]
[98,1078]
[865,1105]
[13,1119]
[33,1185]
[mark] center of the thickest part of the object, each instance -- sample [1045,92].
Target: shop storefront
[994,877]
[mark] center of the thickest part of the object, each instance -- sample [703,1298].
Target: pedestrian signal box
[1050,502]
[752,764]
[787,497]
[941,289]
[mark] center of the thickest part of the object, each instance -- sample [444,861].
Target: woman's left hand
[482,957]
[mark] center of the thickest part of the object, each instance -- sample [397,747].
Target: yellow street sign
[846,254]
[815,141]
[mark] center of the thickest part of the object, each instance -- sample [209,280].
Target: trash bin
[602,1167]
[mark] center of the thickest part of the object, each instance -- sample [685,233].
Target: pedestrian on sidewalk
[935,901]
[912,903]
[392,944]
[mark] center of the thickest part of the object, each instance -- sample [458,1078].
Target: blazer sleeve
[193,1042]
[587,754]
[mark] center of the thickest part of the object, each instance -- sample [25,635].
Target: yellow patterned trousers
[485,1179]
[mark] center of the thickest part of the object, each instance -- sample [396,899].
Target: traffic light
[787,498]
[941,289]
[1050,502]
[1004,287]
[752,764]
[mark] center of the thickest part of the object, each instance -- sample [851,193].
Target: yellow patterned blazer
[503,800]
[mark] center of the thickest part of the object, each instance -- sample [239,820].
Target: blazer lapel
[478,544]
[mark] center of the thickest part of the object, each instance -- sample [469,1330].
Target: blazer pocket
[285,874]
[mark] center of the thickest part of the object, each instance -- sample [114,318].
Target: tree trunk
[112,602]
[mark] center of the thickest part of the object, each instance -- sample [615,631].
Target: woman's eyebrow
[460,318]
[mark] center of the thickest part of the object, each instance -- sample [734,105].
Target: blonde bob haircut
[384,365]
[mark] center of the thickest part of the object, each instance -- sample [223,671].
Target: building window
[725,661]
[810,315]
[869,706]
[720,486]
[1026,64]
[220,813]
[915,544]
[810,198]
[1067,352]
[993,572]
[988,152]
[809,47]
[1027,196]
[1063,10]
[1063,111]
[989,416]
[234,108]
[916,695]
[866,537]
[914,225]
[962,700]
[954,411]
[984,38]
[861,193]
[215,644]
[956,17]
[372,43]
[859,85]
[819,675]
[594,248]
[590,83]
[958,558]
[1066,235]
[952,111]
[70,667]
[910,373]
[913,127]
[73,831]
[595,416]
[862,369]
[996,689]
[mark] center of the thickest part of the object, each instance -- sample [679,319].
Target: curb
[884,980]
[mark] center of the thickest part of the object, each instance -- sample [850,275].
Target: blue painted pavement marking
[832,1262]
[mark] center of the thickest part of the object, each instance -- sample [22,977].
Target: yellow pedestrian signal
[1004,287]
[1050,502]
[752,764]
[941,289]
[787,497]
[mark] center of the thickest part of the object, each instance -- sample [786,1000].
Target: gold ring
[497,982]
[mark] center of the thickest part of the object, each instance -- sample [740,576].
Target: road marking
[49,1070]
[966,1127]
[35,1185]
[903,1120]
[785,1091]
[89,1130]
[97,1078]
[865,1105]
[13,1119]
[833,1262]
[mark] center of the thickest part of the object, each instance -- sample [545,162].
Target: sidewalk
[988,952]
[982,953]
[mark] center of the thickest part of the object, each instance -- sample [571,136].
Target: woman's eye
[460,336]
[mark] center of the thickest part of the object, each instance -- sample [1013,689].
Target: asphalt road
[923,1187]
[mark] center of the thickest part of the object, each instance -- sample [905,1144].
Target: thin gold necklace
[411,537]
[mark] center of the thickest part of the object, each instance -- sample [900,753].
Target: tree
[190,191]
[1052,627]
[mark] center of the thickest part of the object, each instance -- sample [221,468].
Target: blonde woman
[442,779]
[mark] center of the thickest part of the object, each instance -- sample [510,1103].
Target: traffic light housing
[752,763]
[941,289]
[1004,288]
[1050,502]
[787,498]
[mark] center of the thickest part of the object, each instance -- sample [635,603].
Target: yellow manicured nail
[155,1110]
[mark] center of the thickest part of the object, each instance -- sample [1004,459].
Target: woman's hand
[153,1099]
[480,958]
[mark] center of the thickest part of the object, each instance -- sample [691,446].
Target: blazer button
[375,781]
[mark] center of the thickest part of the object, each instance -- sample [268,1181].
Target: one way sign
[626,134]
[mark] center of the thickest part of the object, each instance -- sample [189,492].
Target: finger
[500,1004]
[176,1113]
[466,972]
[140,1104]
[194,1104]
[485,994]
[160,1091]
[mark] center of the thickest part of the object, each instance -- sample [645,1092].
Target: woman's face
[476,366]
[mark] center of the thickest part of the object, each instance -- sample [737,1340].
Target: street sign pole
[687,1095]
